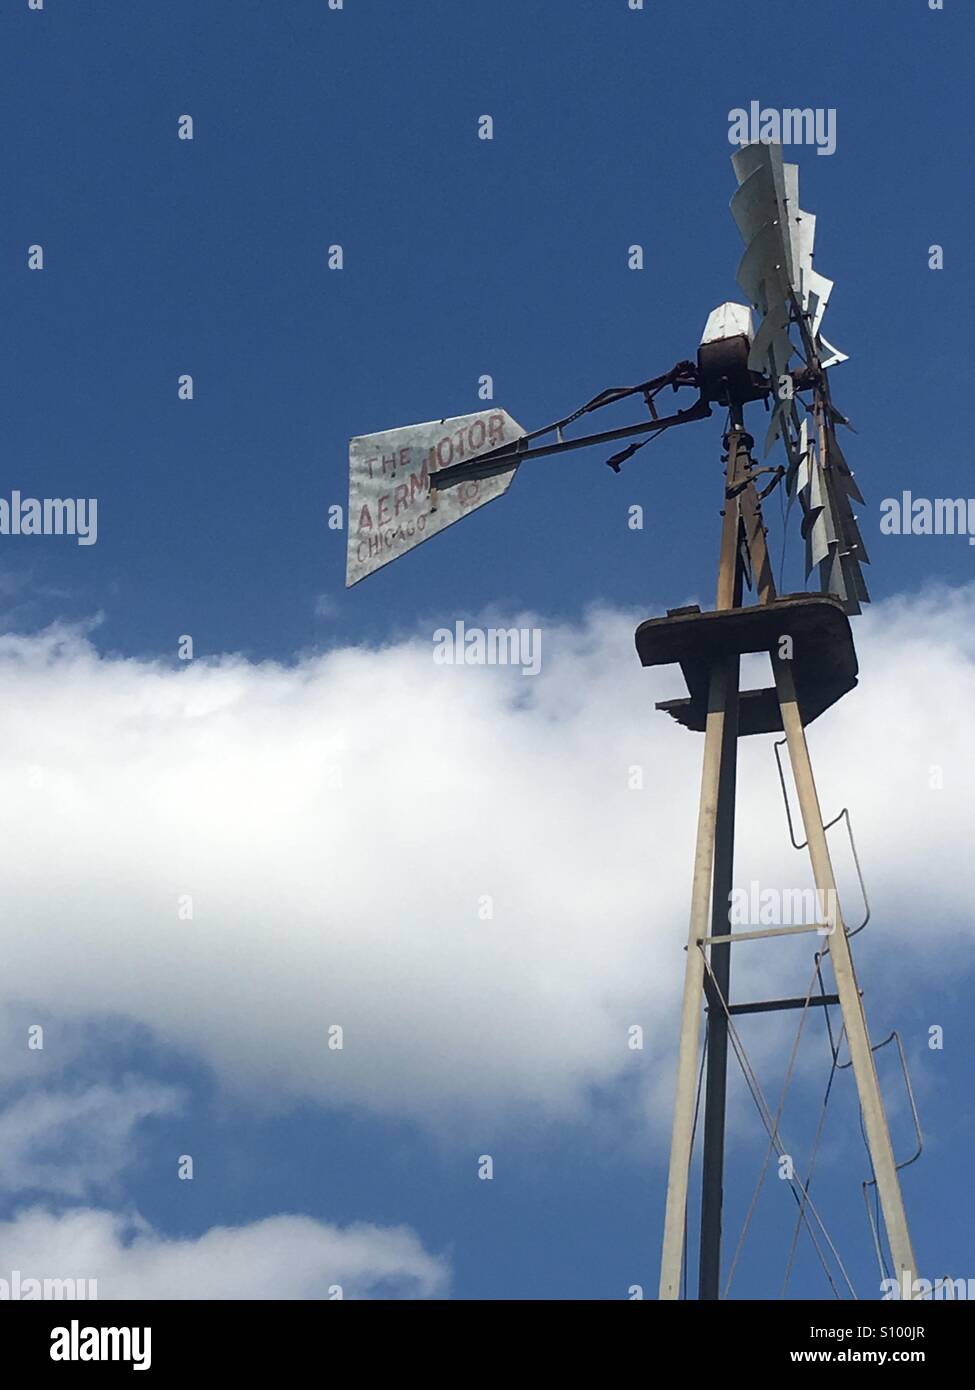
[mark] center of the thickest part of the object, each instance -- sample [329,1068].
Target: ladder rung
[772,931]
[774,1005]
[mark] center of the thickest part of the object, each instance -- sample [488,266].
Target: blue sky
[461,257]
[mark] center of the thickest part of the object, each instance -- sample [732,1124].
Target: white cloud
[73,1142]
[283,1257]
[327,606]
[339,823]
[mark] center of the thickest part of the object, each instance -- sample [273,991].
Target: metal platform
[823,656]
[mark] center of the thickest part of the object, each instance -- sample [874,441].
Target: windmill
[411,483]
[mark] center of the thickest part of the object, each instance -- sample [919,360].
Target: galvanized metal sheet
[799,237]
[840,466]
[772,337]
[829,356]
[803,232]
[747,158]
[728,320]
[390,509]
[779,239]
[753,206]
[816,292]
[761,270]
[781,417]
[832,536]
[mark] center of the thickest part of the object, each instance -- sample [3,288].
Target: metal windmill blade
[776,272]
[809,486]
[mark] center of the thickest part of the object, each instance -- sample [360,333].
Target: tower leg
[854,1019]
[715,818]
[716,1070]
[690,1024]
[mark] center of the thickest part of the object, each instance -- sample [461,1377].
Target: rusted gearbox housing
[824,663]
